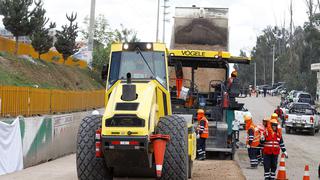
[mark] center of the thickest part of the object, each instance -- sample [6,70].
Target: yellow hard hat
[247,118]
[274,116]
[273,121]
[200,111]
[234,73]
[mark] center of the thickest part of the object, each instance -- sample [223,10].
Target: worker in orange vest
[276,117]
[272,143]
[234,75]
[253,141]
[262,128]
[202,134]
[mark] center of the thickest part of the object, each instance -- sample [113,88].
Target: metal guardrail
[29,101]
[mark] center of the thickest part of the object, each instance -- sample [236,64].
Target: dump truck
[199,68]
[137,136]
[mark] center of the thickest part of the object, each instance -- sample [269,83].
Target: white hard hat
[95,112]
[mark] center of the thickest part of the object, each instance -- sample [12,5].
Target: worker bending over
[272,143]
[202,134]
[253,141]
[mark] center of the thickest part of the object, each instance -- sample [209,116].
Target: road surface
[65,169]
[302,148]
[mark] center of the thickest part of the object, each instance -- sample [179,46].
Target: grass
[17,71]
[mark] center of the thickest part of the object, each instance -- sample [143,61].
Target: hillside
[24,71]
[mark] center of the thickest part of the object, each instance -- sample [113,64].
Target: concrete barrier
[49,137]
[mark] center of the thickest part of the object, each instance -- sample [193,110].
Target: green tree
[125,35]
[66,39]
[102,32]
[17,18]
[41,41]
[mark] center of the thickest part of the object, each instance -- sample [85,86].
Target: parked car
[302,117]
[303,97]
[276,90]
[239,116]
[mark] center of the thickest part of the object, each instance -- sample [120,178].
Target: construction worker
[253,141]
[234,75]
[202,134]
[272,143]
[262,128]
[275,116]
[279,112]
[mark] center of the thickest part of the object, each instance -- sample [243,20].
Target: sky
[247,18]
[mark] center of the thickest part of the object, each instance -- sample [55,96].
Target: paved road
[302,148]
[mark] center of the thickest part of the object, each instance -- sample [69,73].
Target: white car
[239,116]
[302,117]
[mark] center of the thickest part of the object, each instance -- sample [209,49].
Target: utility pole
[273,64]
[255,75]
[91,25]
[165,13]
[158,14]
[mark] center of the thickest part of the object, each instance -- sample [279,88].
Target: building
[316,67]
[7,34]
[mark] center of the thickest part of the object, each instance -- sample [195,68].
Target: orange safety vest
[205,132]
[256,136]
[272,143]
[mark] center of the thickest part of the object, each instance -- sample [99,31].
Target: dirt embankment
[36,73]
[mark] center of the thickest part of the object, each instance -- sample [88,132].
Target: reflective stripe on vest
[272,143]
[205,132]
[256,136]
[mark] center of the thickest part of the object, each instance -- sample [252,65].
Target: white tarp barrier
[11,158]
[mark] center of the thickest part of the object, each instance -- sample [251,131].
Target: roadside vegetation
[295,49]
[25,71]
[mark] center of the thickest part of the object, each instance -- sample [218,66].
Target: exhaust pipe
[129,90]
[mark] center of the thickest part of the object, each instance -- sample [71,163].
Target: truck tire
[175,165]
[88,166]
[313,132]
[288,130]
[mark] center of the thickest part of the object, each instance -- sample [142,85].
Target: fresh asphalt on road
[303,149]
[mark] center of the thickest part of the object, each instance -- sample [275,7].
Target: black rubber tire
[288,130]
[175,165]
[313,132]
[88,166]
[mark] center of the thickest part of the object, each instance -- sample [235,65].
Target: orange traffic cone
[306,175]
[282,169]
[159,146]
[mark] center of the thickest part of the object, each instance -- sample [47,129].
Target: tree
[41,40]
[101,31]
[17,17]
[125,35]
[66,39]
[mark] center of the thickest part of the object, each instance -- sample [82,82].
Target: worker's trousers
[253,156]
[270,166]
[260,155]
[201,148]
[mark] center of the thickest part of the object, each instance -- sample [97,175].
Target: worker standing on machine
[231,80]
[253,141]
[272,143]
[202,134]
